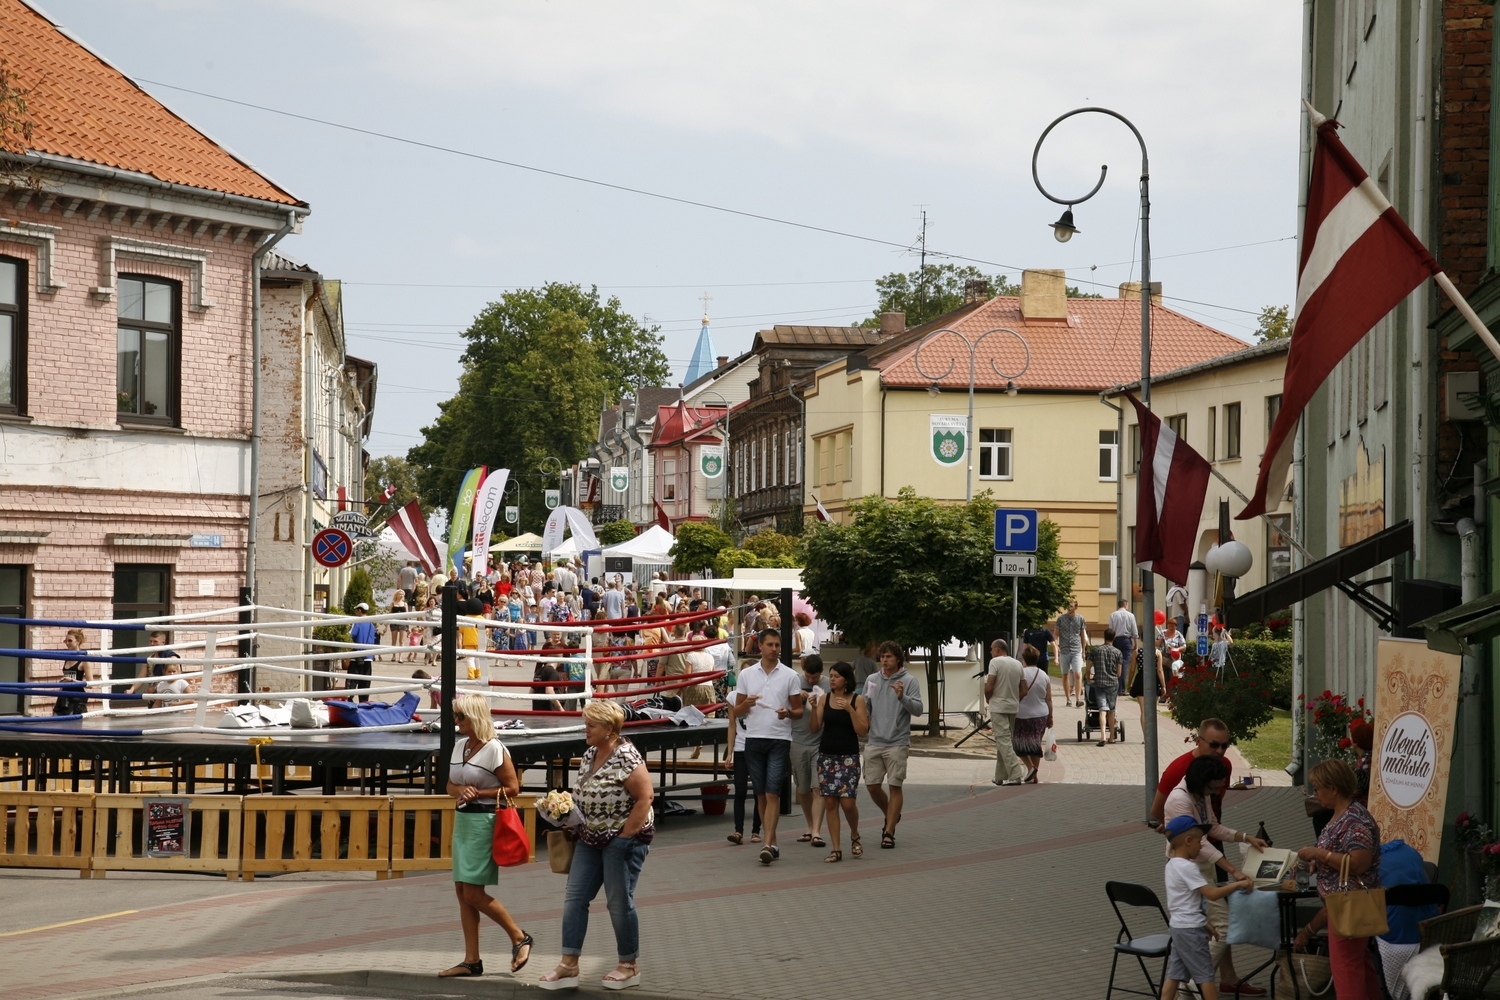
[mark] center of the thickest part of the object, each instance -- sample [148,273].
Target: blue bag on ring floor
[1254,919]
[374,713]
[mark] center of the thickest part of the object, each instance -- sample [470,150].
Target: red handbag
[510,846]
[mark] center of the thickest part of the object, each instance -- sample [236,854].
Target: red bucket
[714,798]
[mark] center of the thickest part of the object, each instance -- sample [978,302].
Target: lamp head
[1010,387]
[1234,558]
[1063,229]
[932,390]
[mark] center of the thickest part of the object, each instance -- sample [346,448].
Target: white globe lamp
[1234,559]
[1211,560]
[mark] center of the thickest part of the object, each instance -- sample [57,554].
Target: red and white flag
[661,516]
[823,514]
[1359,260]
[1170,490]
[411,528]
[387,493]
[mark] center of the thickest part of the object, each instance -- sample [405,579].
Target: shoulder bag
[510,846]
[1354,912]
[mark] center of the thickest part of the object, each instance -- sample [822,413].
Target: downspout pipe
[1470,704]
[253,532]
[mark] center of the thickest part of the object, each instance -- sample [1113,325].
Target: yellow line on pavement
[68,923]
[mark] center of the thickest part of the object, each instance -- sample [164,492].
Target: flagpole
[1063,230]
[1467,311]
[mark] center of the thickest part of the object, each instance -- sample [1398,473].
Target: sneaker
[1012,781]
[767,854]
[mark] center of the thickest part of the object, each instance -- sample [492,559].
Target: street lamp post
[973,346]
[1063,230]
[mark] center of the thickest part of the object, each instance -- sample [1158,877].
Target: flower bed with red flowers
[1242,699]
[1332,715]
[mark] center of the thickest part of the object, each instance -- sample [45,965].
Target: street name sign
[1015,530]
[1015,564]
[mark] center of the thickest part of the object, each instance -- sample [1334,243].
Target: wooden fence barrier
[47,830]
[316,833]
[213,835]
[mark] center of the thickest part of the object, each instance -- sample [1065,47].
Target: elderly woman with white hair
[614,795]
[479,773]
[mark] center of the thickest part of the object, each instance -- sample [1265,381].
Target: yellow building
[1043,439]
[1223,409]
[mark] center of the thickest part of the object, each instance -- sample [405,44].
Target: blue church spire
[704,359]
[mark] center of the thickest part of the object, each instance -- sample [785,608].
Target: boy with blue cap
[1186,892]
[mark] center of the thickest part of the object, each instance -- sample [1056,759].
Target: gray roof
[1252,353]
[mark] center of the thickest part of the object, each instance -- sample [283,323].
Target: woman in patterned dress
[842,717]
[614,794]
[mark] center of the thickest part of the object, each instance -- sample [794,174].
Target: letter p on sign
[1015,530]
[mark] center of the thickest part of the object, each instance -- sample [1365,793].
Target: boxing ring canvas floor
[331,753]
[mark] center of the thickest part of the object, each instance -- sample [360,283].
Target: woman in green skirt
[479,770]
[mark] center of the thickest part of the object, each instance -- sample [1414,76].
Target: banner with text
[1416,702]
[949,438]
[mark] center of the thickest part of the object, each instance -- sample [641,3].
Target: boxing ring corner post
[449,686]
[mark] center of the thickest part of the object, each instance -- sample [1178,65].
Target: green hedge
[1269,659]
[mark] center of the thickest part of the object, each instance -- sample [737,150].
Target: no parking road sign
[332,547]
[1015,530]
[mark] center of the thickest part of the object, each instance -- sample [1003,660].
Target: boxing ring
[181,739]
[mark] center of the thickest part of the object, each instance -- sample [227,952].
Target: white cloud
[969,83]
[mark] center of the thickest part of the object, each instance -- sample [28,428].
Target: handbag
[510,846]
[1355,912]
[560,851]
[1299,976]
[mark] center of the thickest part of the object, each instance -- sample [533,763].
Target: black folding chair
[1139,948]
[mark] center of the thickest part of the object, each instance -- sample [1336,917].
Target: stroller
[1092,723]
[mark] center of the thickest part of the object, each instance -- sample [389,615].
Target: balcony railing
[770,500]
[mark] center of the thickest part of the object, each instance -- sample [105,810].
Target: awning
[1459,629]
[1337,570]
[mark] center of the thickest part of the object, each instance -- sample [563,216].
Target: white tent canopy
[654,545]
[529,542]
[761,581]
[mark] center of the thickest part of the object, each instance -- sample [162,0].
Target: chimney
[892,322]
[723,360]
[1044,295]
[976,290]
[1132,290]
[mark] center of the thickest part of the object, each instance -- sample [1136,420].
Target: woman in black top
[842,717]
[72,671]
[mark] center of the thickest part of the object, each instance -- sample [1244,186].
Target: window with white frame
[994,453]
[669,479]
[1108,568]
[1109,456]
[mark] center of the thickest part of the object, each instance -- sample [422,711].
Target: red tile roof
[680,423]
[1098,347]
[85,109]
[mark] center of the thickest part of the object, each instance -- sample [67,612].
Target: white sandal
[562,982]
[634,979]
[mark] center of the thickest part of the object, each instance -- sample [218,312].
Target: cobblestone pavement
[991,892]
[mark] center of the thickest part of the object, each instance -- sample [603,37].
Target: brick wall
[1464,143]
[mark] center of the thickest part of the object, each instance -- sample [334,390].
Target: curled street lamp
[1063,230]
[935,387]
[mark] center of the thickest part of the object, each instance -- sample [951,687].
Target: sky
[841,116]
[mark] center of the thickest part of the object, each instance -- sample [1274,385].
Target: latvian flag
[1169,498]
[411,528]
[1359,260]
[823,514]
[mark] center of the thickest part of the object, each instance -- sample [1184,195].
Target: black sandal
[470,969]
[515,951]
[819,842]
[856,848]
[887,840]
[833,856]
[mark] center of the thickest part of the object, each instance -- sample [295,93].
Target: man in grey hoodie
[894,696]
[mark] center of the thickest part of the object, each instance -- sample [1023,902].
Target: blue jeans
[617,867]
[770,763]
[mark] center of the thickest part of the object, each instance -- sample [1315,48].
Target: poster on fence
[166,833]
[1416,702]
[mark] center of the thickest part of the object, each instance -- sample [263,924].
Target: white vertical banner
[711,460]
[949,438]
[552,534]
[619,478]
[486,506]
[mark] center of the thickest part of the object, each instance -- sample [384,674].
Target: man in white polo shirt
[769,696]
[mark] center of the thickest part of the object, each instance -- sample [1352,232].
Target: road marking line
[68,923]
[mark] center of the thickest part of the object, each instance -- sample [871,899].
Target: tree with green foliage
[770,545]
[615,532]
[938,289]
[391,470]
[1275,324]
[358,591]
[540,365]
[920,573]
[698,542]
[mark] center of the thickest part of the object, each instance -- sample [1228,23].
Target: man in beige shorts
[894,696]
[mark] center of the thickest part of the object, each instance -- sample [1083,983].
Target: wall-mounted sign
[711,460]
[332,548]
[354,523]
[206,541]
[950,439]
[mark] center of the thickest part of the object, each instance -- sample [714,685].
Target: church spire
[704,359]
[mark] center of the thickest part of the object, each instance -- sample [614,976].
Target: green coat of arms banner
[711,460]
[619,478]
[949,438]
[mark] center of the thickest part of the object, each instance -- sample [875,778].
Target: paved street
[990,892]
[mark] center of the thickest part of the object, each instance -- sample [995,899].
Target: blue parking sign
[1015,530]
